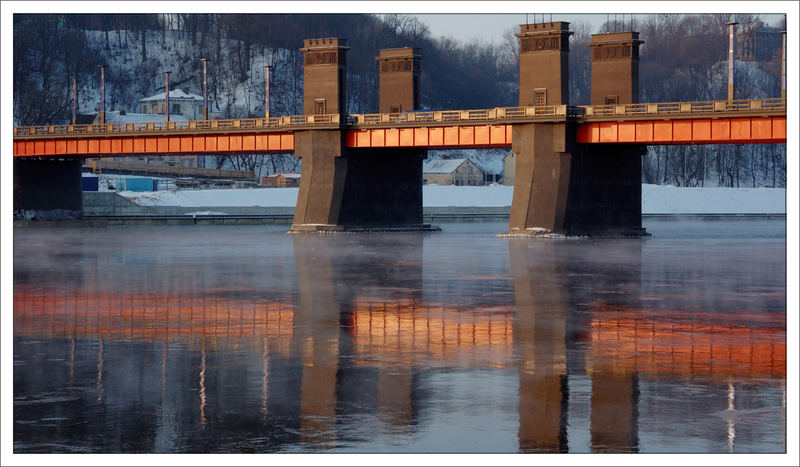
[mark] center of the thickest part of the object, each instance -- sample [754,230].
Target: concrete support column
[564,188]
[319,198]
[355,189]
[542,177]
[47,189]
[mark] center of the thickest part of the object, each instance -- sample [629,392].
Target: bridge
[578,167]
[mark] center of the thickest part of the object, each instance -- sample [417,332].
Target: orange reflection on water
[633,341]
[147,316]
[406,332]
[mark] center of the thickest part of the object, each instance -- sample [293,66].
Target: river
[240,339]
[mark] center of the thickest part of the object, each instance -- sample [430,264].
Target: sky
[488,27]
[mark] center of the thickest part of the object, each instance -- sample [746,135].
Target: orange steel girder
[686,131]
[676,131]
[177,144]
[457,136]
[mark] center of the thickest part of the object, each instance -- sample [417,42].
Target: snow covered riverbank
[656,199]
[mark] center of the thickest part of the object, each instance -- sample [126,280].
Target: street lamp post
[102,95]
[74,99]
[730,59]
[783,69]
[266,92]
[205,90]
[166,97]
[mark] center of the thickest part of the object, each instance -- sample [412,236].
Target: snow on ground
[655,199]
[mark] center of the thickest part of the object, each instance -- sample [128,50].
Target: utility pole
[730,59]
[783,69]
[166,97]
[205,90]
[74,99]
[102,95]
[266,92]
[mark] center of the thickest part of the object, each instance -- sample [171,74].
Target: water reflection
[344,342]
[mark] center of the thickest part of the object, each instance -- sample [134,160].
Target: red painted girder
[173,144]
[686,131]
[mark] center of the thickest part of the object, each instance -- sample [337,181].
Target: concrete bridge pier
[354,190]
[565,188]
[47,189]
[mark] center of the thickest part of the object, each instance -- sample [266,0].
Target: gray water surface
[246,339]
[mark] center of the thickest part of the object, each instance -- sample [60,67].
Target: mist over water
[246,339]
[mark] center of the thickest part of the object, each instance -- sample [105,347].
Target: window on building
[319,106]
[611,100]
[540,96]
[395,109]
[176,108]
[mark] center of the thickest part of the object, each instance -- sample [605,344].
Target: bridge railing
[460,116]
[543,112]
[179,126]
[683,107]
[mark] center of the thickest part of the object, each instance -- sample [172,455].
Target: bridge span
[578,168]
[708,122]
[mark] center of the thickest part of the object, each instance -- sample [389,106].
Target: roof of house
[179,94]
[441,166]
[115,117]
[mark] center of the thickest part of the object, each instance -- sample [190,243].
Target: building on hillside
[509,168]
[181,103]
[452,172]
[281,180]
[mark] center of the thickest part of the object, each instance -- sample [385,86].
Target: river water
[245,339]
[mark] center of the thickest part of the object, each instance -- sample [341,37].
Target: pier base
[357,190]
[562,188]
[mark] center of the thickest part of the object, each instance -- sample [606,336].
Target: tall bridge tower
[352,189]
[615,68]
[325,74]
[544,63]
[560,186]
[399,80]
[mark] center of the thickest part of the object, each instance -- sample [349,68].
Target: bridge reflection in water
[224,369]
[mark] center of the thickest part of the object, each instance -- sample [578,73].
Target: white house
[185,104]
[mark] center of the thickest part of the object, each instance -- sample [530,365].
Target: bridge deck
[747,121]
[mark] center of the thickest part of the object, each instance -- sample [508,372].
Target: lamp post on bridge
[266,92]
[783,69]
[205,90]
[166,97]
[731,38]
[102,95]
[74,99]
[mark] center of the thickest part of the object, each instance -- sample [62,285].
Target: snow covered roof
[490,166]
[441,166]
[179,94]
[115,117]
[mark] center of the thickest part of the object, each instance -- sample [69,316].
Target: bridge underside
[47,189]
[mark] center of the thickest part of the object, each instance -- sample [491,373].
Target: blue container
[90,183]
[134,184]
